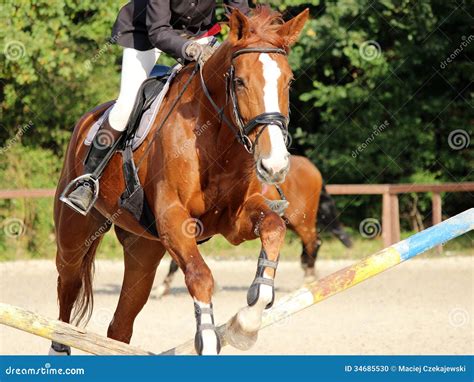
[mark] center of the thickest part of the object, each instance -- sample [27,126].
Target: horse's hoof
[309,275]
[237,337]
[309,279]
[162,291]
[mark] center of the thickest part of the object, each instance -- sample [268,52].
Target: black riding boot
[83,195]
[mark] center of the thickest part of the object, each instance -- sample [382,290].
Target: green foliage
[27,224]
[362,64]
[380,87]
[57,64]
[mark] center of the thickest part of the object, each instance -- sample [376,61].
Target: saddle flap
[146,107]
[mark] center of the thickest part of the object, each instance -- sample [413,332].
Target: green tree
[57,63]
[375,100]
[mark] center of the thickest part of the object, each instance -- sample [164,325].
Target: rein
[243,129]
[168,114]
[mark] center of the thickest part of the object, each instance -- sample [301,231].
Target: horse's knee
[272,231]
[273,223]
[199,280]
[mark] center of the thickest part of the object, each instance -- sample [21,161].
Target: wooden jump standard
[302,298]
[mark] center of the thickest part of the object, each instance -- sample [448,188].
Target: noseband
[244,129]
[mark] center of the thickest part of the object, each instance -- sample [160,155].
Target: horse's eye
[239,82]
[290,82]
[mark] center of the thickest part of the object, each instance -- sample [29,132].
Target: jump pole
[63,333]
[339,281]
[301,299]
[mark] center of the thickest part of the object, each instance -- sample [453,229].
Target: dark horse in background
[241,95]
[310,208]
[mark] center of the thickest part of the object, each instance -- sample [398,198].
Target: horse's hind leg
[77,240]
[142,257]
[311,244]
[165,287]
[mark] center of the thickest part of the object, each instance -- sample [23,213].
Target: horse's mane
[264,27]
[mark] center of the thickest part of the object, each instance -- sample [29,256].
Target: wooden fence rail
[389,192]
[390,208]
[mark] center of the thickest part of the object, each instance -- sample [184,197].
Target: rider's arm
[160,31]
[241,5]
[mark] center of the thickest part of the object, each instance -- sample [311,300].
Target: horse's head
[259,83]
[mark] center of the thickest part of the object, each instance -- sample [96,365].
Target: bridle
[244,129]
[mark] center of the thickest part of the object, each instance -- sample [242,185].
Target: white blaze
[278,158]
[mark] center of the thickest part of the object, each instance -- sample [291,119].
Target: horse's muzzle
[273,174]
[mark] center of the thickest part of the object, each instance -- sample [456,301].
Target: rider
[145,28]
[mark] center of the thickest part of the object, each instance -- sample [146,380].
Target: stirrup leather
[76,183]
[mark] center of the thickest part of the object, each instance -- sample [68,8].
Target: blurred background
[383,94]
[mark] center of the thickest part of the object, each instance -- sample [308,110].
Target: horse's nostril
[269,171]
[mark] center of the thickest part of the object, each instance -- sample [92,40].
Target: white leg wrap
[209,338]
[250,317]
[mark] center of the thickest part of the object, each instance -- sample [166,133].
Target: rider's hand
[199,52]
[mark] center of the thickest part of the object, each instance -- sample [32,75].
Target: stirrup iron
[76,183]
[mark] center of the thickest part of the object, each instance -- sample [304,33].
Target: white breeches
[136,67]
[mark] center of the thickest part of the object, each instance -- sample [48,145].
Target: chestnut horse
[201,171]
[309,205]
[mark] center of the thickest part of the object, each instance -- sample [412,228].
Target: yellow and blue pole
[301,299]
[347,277]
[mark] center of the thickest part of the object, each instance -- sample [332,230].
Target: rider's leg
[136,67]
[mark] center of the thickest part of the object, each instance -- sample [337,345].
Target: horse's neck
[225,153]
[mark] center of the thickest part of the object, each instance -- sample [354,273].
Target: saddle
[147,104]
[145,109]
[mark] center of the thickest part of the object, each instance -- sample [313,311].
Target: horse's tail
[328,218]
[85,300]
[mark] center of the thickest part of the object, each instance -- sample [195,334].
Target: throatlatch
[254,290]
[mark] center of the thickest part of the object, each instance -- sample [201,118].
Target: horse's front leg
[175,228]
[257,219]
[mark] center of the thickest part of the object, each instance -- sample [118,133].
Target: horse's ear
[239,26]
[291,29]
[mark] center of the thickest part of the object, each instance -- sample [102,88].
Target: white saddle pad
[147,118]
